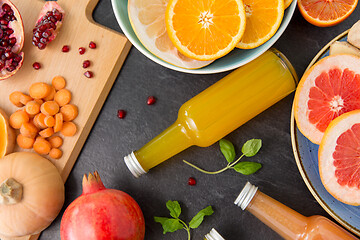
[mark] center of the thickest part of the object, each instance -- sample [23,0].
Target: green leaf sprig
[175,223]
[249,149]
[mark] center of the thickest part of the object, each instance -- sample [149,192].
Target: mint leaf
[169,224]
[227,149]
[247,168]
[174,208]
[199,217]
[251,147]
[161,220]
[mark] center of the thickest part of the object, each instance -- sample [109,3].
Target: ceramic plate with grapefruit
[325,149]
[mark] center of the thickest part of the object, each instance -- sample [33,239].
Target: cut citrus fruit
[263,18]
[328,89]
[324,13]
[287,3]
[147,18]
[205,30]
[339,162]
[7,135]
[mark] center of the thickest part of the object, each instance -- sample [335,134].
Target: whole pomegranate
[12,39]
[102,214]
[48,24]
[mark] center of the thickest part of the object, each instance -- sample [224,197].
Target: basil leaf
[247,168]
[174,208]
[199,217]
[251,147]
[169,224]
[227,149]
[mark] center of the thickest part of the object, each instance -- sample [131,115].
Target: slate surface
[112,138]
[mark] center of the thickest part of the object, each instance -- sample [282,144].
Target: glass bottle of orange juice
[220,109]
[213,235]
[288,223]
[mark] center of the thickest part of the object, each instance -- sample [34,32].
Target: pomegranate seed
[65,48]
[12,41]
[6,7]
[86,64]
[88,74]
[121,113]
[82,50]
[36,66]
[9,31]
[41,46]
[151,100]
[191,181]
[92,45]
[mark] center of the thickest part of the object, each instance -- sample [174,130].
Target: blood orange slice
[339,158]
[328,89]
[324,13]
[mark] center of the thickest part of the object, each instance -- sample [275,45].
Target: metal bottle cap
[246,195]
[213,235]
[133,164]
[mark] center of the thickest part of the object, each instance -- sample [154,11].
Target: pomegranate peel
[48,24]
[12,39]
[92,183]
[101,213]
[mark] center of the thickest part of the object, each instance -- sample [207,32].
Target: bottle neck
[213,235]
[286,222]
[167,144]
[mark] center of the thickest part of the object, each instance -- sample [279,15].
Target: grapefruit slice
[339,158]
[328,89]
[147,18]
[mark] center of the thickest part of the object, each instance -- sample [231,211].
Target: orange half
[7,135]
[203,29]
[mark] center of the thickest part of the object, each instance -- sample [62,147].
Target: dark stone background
[112,138]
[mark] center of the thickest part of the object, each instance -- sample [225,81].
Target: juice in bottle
[288,223]
[220,109]
[213,235]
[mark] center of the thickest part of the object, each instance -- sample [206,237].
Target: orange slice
[7,135]
[339,161]
[287,3]
[263,18]
[328,89]
[147,18]
[205,30]
[324,13]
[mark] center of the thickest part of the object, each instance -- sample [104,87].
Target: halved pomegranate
[12,39]
[48,24]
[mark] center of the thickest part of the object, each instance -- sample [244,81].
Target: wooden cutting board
[88,94]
